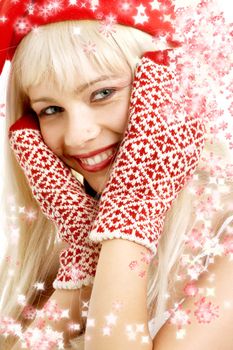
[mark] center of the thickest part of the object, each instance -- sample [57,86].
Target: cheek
[51,138]
[119,115]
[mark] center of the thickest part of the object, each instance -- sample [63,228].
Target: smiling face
[76,123]
[79,85]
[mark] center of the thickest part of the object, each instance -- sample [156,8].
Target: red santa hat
[18,18]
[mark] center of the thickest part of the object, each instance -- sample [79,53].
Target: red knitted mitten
[62,199]
[156,157]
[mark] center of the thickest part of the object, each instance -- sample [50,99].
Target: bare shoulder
[208,317]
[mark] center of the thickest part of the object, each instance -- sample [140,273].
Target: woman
[71,127]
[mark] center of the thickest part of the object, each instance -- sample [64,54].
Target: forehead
[48,88]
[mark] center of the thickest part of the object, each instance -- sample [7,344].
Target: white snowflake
[141,16]
[3,19]
[111,319]
[180,334]
[44,11]
[72,2]
[106,331]
[90,322]
[94,5]
[155,5]
[30,8]
[179,317]
[55,6]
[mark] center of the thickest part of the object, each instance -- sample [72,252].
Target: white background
[224,5]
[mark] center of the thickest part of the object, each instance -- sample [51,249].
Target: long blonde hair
[41,55]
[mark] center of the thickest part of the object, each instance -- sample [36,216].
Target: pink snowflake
[89,47]
[228,136]
[207,206]
[214,130]
[200,191]
[206,311]
[2,110]
[29,312]
[22,26]
[142,274]
[230,109]
[223,126]
[8,259]
[52,311]
[195,270]
[7,326]
[46,339]
[147,257]
[133,265]
[195,238]
[191,289]
[76,273]
[228,244]
[106,28]
[126,6]
[179,317]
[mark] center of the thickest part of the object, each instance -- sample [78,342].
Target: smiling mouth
[99,161]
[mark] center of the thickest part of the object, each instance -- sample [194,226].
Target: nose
[81,128]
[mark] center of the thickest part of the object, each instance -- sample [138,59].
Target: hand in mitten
[62,199]
[157,156]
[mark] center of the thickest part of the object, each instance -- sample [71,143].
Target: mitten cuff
[95,236]
[57,284]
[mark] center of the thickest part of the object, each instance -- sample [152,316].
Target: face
[84,127]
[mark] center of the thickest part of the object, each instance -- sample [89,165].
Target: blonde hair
[41,55]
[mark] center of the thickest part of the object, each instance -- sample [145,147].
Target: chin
[97,181]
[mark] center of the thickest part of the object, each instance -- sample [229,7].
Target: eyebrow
[78,90]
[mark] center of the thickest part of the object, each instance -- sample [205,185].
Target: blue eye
[51,110]
[104,93]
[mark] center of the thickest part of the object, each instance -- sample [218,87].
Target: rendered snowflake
[106,28]
[76,273]
[8,326]
[133,265]
[2,110]
[228,244]
[190,289]
[126,6]
[52,311]
[30,8]
[22,26]
[206,311]
[146,257]
[3,19]
[89,47]
[29,312]
[195,239]
[179,317]
[46,339]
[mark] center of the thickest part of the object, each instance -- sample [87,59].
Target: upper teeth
[98,158]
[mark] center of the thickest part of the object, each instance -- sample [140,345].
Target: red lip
[92,154]
[98,167]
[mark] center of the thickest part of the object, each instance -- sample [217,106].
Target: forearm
[65,316]
[117,317]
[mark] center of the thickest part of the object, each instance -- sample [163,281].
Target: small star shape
[106,331]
